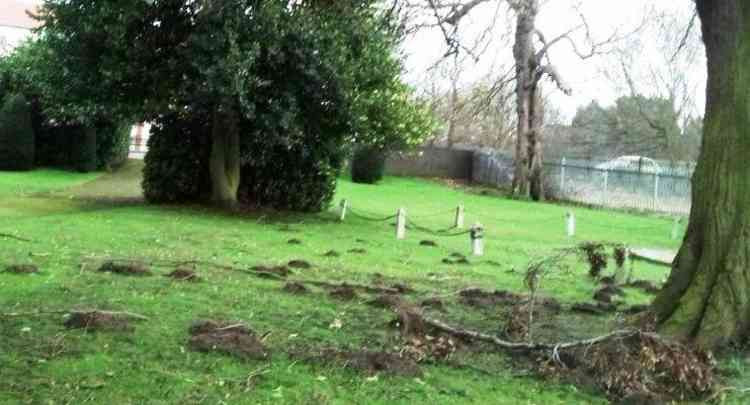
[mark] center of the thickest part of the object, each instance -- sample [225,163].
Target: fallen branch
[18,238]
[526,345]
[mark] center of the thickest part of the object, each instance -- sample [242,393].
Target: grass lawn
[76,222]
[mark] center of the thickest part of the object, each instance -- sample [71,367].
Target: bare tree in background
[532,64]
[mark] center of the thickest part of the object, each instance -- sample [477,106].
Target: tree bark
[523,53]
[707,296]
[225,155]
[536,167]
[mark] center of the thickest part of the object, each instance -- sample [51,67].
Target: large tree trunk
[225,156]
[523,54]
[536,167]
[707,296]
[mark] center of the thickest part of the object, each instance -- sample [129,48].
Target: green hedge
[16,134]
[368,165]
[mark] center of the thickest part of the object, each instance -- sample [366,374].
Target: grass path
[76,228]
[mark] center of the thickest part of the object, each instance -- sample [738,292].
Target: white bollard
[343,207]
[401,224]
[571,224]
[459,223]
[477,240]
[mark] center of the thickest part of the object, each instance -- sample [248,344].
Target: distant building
[15,22]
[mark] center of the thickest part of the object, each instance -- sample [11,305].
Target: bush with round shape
[16,134]
[368,164]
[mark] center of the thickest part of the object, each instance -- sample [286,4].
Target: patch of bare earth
[184,274]
[21,269]
[231,338]
[125,269]
[99,321]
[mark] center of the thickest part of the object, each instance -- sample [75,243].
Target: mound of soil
[608,293]
[294,242]
[598,308]
[371,362]
[433,303]
[388,301]
[360,240]
[332,253]
[299,264]
[428,243]
[295,288]
[358,251]
[125,269]
[99,321]
[457,255]
[344,293]
[281,271]
[183,274]
[402,288]
[21,269]
[231,338]
[459,260]
[641,368]
[476,297]
[645,285]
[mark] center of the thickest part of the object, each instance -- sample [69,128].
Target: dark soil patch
[332,253]
[344,293]
[22,269]
[295,288]
[371,363]
[494,263]
[462,260]
[598,308]
[476,297]
[433,303]
[636,309]
[358,251]
[640,368]
[608,294]
[182,274]
[125,269]
[428,243]
[360,240]
[609,280]
[378,278]
[388,301]
[294,242]
[402,288]
[272,272]
[300,264]
[457,255]
[645,285]
[232,338]
[98,321]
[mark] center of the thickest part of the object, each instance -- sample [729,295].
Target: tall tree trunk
[225,155]
[707,296]
[536,167]
[523,54]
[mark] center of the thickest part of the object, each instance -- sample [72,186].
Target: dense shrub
[16,134]
[83,150]
[177,160]
[368,164]
[302,178]
[112,144]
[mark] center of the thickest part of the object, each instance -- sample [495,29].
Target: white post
[477,239]
[676,228]
[562,176]
[571,224]
[343,207]
[459,223]
[401,224]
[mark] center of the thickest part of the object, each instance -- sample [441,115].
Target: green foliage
[368,164]
[176,167]
[112,144]
[83,151]
[16,134]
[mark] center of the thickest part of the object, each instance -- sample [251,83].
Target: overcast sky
[589,78]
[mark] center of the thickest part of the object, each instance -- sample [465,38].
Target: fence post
[401,224]
[477,239]
[459,223]
[571,224]
[562,176]
[343,207]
